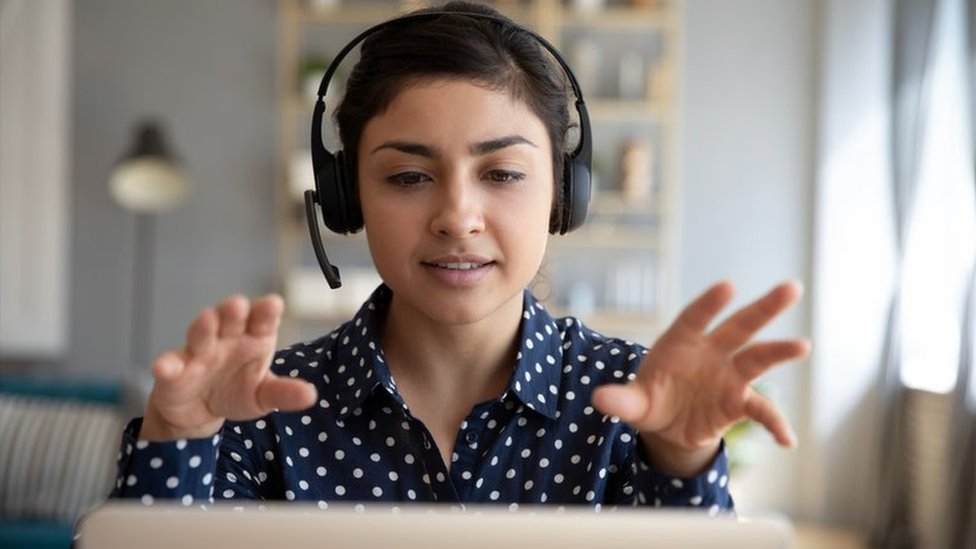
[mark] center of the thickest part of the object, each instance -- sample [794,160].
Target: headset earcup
[341,212]
[330,194]
[352,211]
[576,196]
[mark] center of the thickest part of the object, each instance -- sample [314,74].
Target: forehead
[445,107]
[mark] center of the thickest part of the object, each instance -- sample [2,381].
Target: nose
[459,209]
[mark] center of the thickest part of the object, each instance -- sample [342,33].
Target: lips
[458,270]
[462,262]
[462,266]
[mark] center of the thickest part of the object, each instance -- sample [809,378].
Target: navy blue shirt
[539,442]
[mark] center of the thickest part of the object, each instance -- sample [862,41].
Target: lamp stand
[142,296]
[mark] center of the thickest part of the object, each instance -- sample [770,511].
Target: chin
[466,310]
[461,308]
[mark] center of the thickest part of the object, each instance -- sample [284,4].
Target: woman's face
[456,187]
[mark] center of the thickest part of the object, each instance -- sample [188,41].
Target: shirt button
[471,437]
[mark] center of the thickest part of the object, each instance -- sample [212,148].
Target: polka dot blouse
[540,442]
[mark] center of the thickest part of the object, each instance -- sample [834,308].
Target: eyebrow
[490,146]
[478,149]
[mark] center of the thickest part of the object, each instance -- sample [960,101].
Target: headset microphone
[330,271]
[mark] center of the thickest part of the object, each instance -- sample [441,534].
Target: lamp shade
[148,179]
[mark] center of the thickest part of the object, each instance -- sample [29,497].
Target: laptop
[118,524]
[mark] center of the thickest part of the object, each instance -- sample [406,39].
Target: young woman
[452,383]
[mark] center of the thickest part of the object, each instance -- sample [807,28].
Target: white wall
[35,65]
[747,187]
[206,70]
[854,259]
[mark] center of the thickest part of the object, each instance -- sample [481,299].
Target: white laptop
[295,525]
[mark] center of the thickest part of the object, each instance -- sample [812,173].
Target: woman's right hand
[223,372]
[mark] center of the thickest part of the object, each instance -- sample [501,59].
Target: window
[941,239]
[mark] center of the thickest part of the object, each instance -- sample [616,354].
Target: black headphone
[336,194]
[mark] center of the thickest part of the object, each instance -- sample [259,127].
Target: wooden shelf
[616,203]
[351,13]
[348,13]
[618,19]
[605,236]
[612,110]
[636,326]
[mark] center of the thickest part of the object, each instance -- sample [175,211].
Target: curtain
[962,515]
[911,33]
[962,510]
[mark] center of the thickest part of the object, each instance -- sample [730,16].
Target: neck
[444,369]
[452,363]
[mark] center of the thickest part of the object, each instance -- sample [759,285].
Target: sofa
[59,440]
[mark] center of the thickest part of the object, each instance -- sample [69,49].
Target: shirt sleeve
[182,470]
[708,491]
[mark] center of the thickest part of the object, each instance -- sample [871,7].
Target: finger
[286,394]
[696,317]
[201,336]
[626,401]
[755,359]
[741,326]
[265,316]
[233,315]
[763,411]
[167,366]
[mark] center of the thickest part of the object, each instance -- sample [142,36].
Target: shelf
[638,326]
[605,236]
[299,106]
[618,19]
[308,296]
[348,13]
[615,203]
[612,110]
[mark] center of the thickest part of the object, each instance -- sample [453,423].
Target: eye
[408,179]
[504,176]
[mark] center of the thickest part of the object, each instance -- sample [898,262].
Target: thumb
[627,401]
[286,394]
[168,366]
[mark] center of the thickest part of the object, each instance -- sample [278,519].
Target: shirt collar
[538,368]
[360,365]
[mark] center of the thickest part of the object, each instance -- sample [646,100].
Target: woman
[452,383]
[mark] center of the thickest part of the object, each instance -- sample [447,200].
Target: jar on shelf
[636,170]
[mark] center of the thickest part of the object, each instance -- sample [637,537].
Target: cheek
[528,213]
[381,211]
[526,222]
[388,229]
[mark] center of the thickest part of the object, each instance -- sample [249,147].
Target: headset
[337,196]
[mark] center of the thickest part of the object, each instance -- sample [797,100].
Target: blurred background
[153,155]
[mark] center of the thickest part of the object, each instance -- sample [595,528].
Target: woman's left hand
[694,384]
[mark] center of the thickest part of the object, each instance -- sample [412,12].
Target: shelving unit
[617,271]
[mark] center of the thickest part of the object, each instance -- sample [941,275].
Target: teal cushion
[106,392]
[32,534]
[57,459]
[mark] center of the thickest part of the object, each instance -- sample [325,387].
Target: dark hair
[499,55]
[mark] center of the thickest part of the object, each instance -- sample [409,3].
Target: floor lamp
[147,181]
